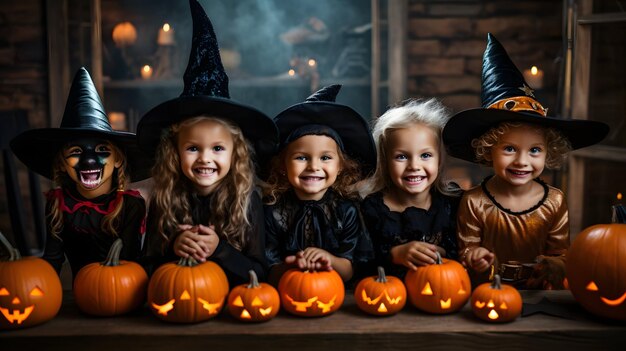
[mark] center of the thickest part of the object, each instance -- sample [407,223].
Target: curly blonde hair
[231,197]
[430,113]
[277,183]
[557,144]
[62,180]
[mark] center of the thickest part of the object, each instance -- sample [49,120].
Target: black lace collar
[509,211]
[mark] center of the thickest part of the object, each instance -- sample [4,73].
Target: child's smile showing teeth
[205,171]
[91,178]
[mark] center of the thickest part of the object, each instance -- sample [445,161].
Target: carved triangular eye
[238,302]
[592,286]
[4,292]
[257,302]
[36,292]
[185,295]
[427,290]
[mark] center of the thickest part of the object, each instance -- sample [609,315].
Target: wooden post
[397,50]
[58,59]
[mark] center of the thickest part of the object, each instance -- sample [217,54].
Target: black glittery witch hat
[206,93]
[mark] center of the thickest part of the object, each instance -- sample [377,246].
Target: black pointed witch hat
[84,117]
[507,97]
[321,109]
[206,93]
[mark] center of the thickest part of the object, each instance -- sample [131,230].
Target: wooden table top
[348,328]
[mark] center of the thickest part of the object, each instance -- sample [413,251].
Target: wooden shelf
[278,81]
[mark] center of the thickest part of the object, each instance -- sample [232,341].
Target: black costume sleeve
[156,250]
[235,263]
[132,227]
[273,247]
[53,252]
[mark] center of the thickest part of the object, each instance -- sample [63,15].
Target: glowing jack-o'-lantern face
[595,270]
[496,302]
[254,302]
[380,295]
[311,294]
[187,292]
[30,290]
[442,287]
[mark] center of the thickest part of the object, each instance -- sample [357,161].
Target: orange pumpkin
[595,270]
[187,292]
[496,302]
[254,302]
[380,295]
[442,287]
[310,293]
[30,290]
[112,287]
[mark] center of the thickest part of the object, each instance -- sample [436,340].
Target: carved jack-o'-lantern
[311,294]
[30,290]
[112,287]
[595,270]
[187,292]
[254,302]
[380,295]
[496,302]
[442,287]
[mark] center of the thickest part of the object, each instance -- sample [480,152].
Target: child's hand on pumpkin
[414,254]
[317,259]
[479,259]
[311,258]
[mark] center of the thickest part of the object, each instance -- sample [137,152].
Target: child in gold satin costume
[513,223]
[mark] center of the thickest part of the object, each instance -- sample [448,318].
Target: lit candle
[117,120]
[166,35]
[146,72]
[534,77]
[312,62]
[291,72]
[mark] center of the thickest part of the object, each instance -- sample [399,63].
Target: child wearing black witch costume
[513,220]
[89,163]
[204,202]
[312,220]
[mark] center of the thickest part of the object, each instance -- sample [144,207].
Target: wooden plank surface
[347,329]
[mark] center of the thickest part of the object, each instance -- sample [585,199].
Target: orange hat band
[520,104]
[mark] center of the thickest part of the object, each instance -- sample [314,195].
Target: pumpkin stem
[438,258]
[113,257]
[381,275]
[254,280]
[187,261]
[14,253]
[496,283]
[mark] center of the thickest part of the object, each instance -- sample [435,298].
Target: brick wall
[446,40]
[23,73]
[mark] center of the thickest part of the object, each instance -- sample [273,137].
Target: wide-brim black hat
[321,109]
[206,93]
[84,117]
[507,97]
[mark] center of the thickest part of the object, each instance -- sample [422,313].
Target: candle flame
[312,62]
[146,68]
[619,196]
[534,70]
[291,72]
[166,27]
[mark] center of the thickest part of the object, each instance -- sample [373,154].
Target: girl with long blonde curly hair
[204,202]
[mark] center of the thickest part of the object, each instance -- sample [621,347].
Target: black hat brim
[257,127]
[38,149]
[351,127]
[467,125]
